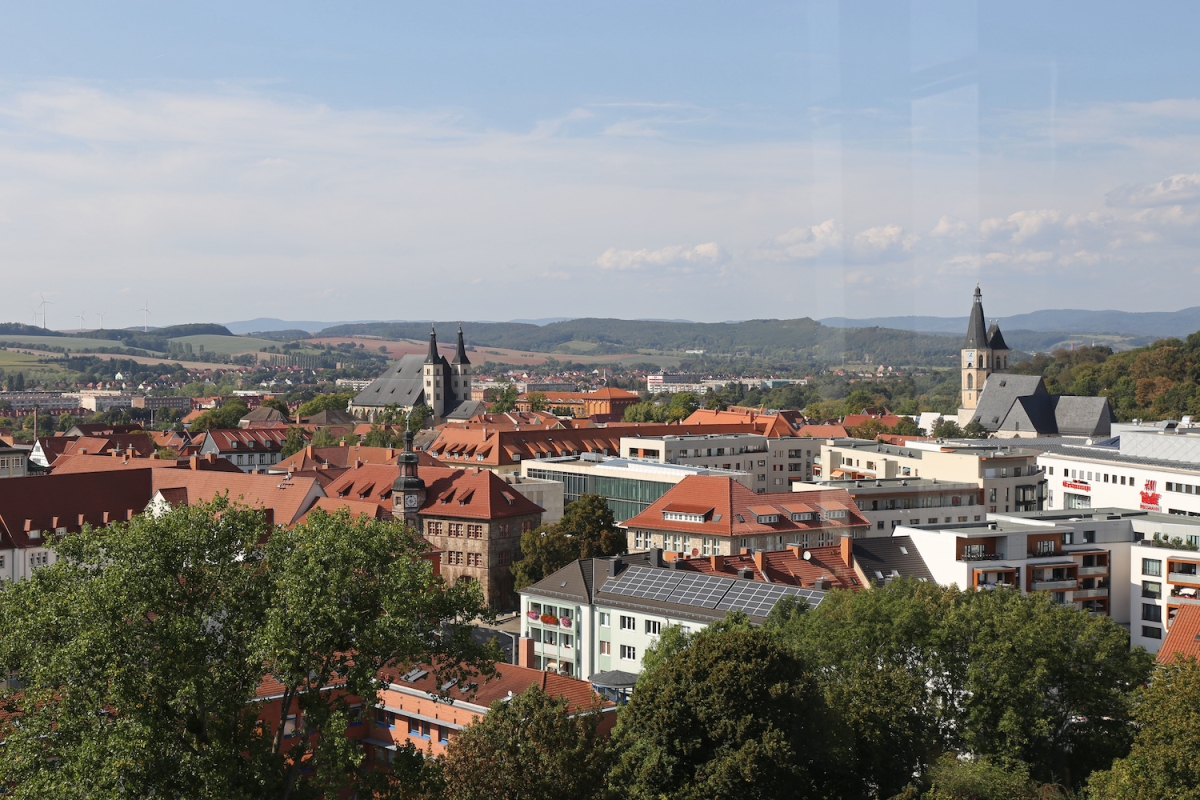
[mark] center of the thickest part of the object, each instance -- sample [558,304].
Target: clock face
[410,501]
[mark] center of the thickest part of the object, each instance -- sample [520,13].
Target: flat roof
[916,449]
[1001,527]
[1112,455]
[634,465]
[886,485]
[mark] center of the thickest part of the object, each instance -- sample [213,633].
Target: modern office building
[888,503]
[629,486]
[774,463]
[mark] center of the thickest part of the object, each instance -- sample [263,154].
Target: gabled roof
[995,338]
[771,425]
[70,464]
[736,509]
[884,557]
[101,429]
[402,384]
[510,679]
[1183,637]
[824,431]
[264,414]
[1001,391]
[287,497]
[331,417]
[311,458]
[140,444]
[244,440]
[1083,416]
[458,493]
[45,503]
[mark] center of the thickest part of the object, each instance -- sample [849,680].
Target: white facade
[1093,478]
[773,464]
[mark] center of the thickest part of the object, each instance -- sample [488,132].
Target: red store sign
[1083,487]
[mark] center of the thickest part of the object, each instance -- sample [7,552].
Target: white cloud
[884,238]
[803,242]
[707,254]
[1175,190]
[948,227]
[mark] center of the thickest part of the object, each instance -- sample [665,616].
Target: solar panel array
[706,591]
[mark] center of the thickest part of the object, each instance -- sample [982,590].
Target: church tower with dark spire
[434,377]
[408,491]
[983,353]
[460,371]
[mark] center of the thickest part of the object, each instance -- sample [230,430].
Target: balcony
[1087,594]
[1054,586]
[1084,571]
[982,557]
[1190,578]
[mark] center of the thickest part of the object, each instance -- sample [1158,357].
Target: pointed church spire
[977,335]
[432,358]
[460,351]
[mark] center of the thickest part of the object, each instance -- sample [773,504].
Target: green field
[226,345]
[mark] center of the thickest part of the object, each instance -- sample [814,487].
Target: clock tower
[408,492]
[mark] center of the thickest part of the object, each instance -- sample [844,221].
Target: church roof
[977,335]
[1020,403]
[402,384]
[995,338]
[460,350]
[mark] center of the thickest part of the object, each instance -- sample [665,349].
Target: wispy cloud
[685,256]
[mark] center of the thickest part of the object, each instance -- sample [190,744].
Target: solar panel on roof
[701,590]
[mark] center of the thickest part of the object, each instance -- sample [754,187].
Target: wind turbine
[81,322]
[101,316]
[146,324]
[34,323]
[45,303]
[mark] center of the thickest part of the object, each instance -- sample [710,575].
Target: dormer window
[678,516]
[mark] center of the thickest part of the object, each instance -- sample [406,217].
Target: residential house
[252,449]
[606,402]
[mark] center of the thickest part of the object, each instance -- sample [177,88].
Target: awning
[614,679]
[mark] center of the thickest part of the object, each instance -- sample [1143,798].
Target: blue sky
[516,160]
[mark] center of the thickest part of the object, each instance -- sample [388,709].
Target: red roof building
[1183,637]
[708,515]
[251,449]
[830,567]
[604,402]
[345,456]
[286,498]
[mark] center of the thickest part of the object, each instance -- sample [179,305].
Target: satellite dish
[807,556]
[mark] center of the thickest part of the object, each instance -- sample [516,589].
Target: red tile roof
[46,503]
[772,425]
[317,457]
[69,464]
[823,431]
[459,493]
[248,440]
[1183,637]
[784,566]
[511,679]
[736,509]
[288,498]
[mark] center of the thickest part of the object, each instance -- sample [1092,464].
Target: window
[628,624]
[550,637]
[443,735]
[355,716]
[628,653]
[653,627]
[973,550]
[474,531]
[605,648]
[605,619]
[292,725]
[1045,547]
[1151,589]
[418,728]
[1151,632]
[1151,612]
[381,718]
[504,557]
[879,525]
[1152,566]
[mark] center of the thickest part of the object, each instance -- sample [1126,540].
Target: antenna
[146,324]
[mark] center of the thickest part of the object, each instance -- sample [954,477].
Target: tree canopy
[586,530]
[141,650]
[227,415]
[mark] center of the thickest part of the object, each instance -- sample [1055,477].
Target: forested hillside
[797,339]
[1159,381]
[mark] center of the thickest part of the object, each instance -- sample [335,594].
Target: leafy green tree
[419,417]
[530,746]
[142,648]
[947,429]
[907,426]
[1041,683]
[869,429]
[975,430]
[324,438]
[646,411]
[293,443]
[593,530]
[167,453]
[734,714]
[1164,761]
[952,778]
[536,400]
[227,415]
[544,550]
[275,403]
[66,422]
[506,400]
[682,405]
[325,402]
[379,436]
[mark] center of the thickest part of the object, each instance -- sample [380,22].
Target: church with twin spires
[429,380]
[1018,406]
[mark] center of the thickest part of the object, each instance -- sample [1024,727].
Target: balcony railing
[983,557]
[1184,577]
[1039,586]
[1085,594]
[1093,570]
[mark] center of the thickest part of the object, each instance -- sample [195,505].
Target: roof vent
[745,572]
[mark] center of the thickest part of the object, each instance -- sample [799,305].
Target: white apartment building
[888,503]
[1143,467]
[773,463]
[1163,575]
[1009,476]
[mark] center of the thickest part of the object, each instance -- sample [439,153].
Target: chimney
[656,556]
[524,652]
[714,563]
[308,451]
[848,549]
[758,559]
[193,463]
[212,458]
[794,549]
[614,566]
[342,443]
[106,516]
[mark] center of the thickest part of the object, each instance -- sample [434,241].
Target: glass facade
[626,497]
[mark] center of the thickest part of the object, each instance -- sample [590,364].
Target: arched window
[970,381]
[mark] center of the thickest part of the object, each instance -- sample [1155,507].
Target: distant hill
[802,339]
[1068,321]
[20,328]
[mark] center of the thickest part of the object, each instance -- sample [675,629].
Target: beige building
[1010,478]
[774,464]
[889,503]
